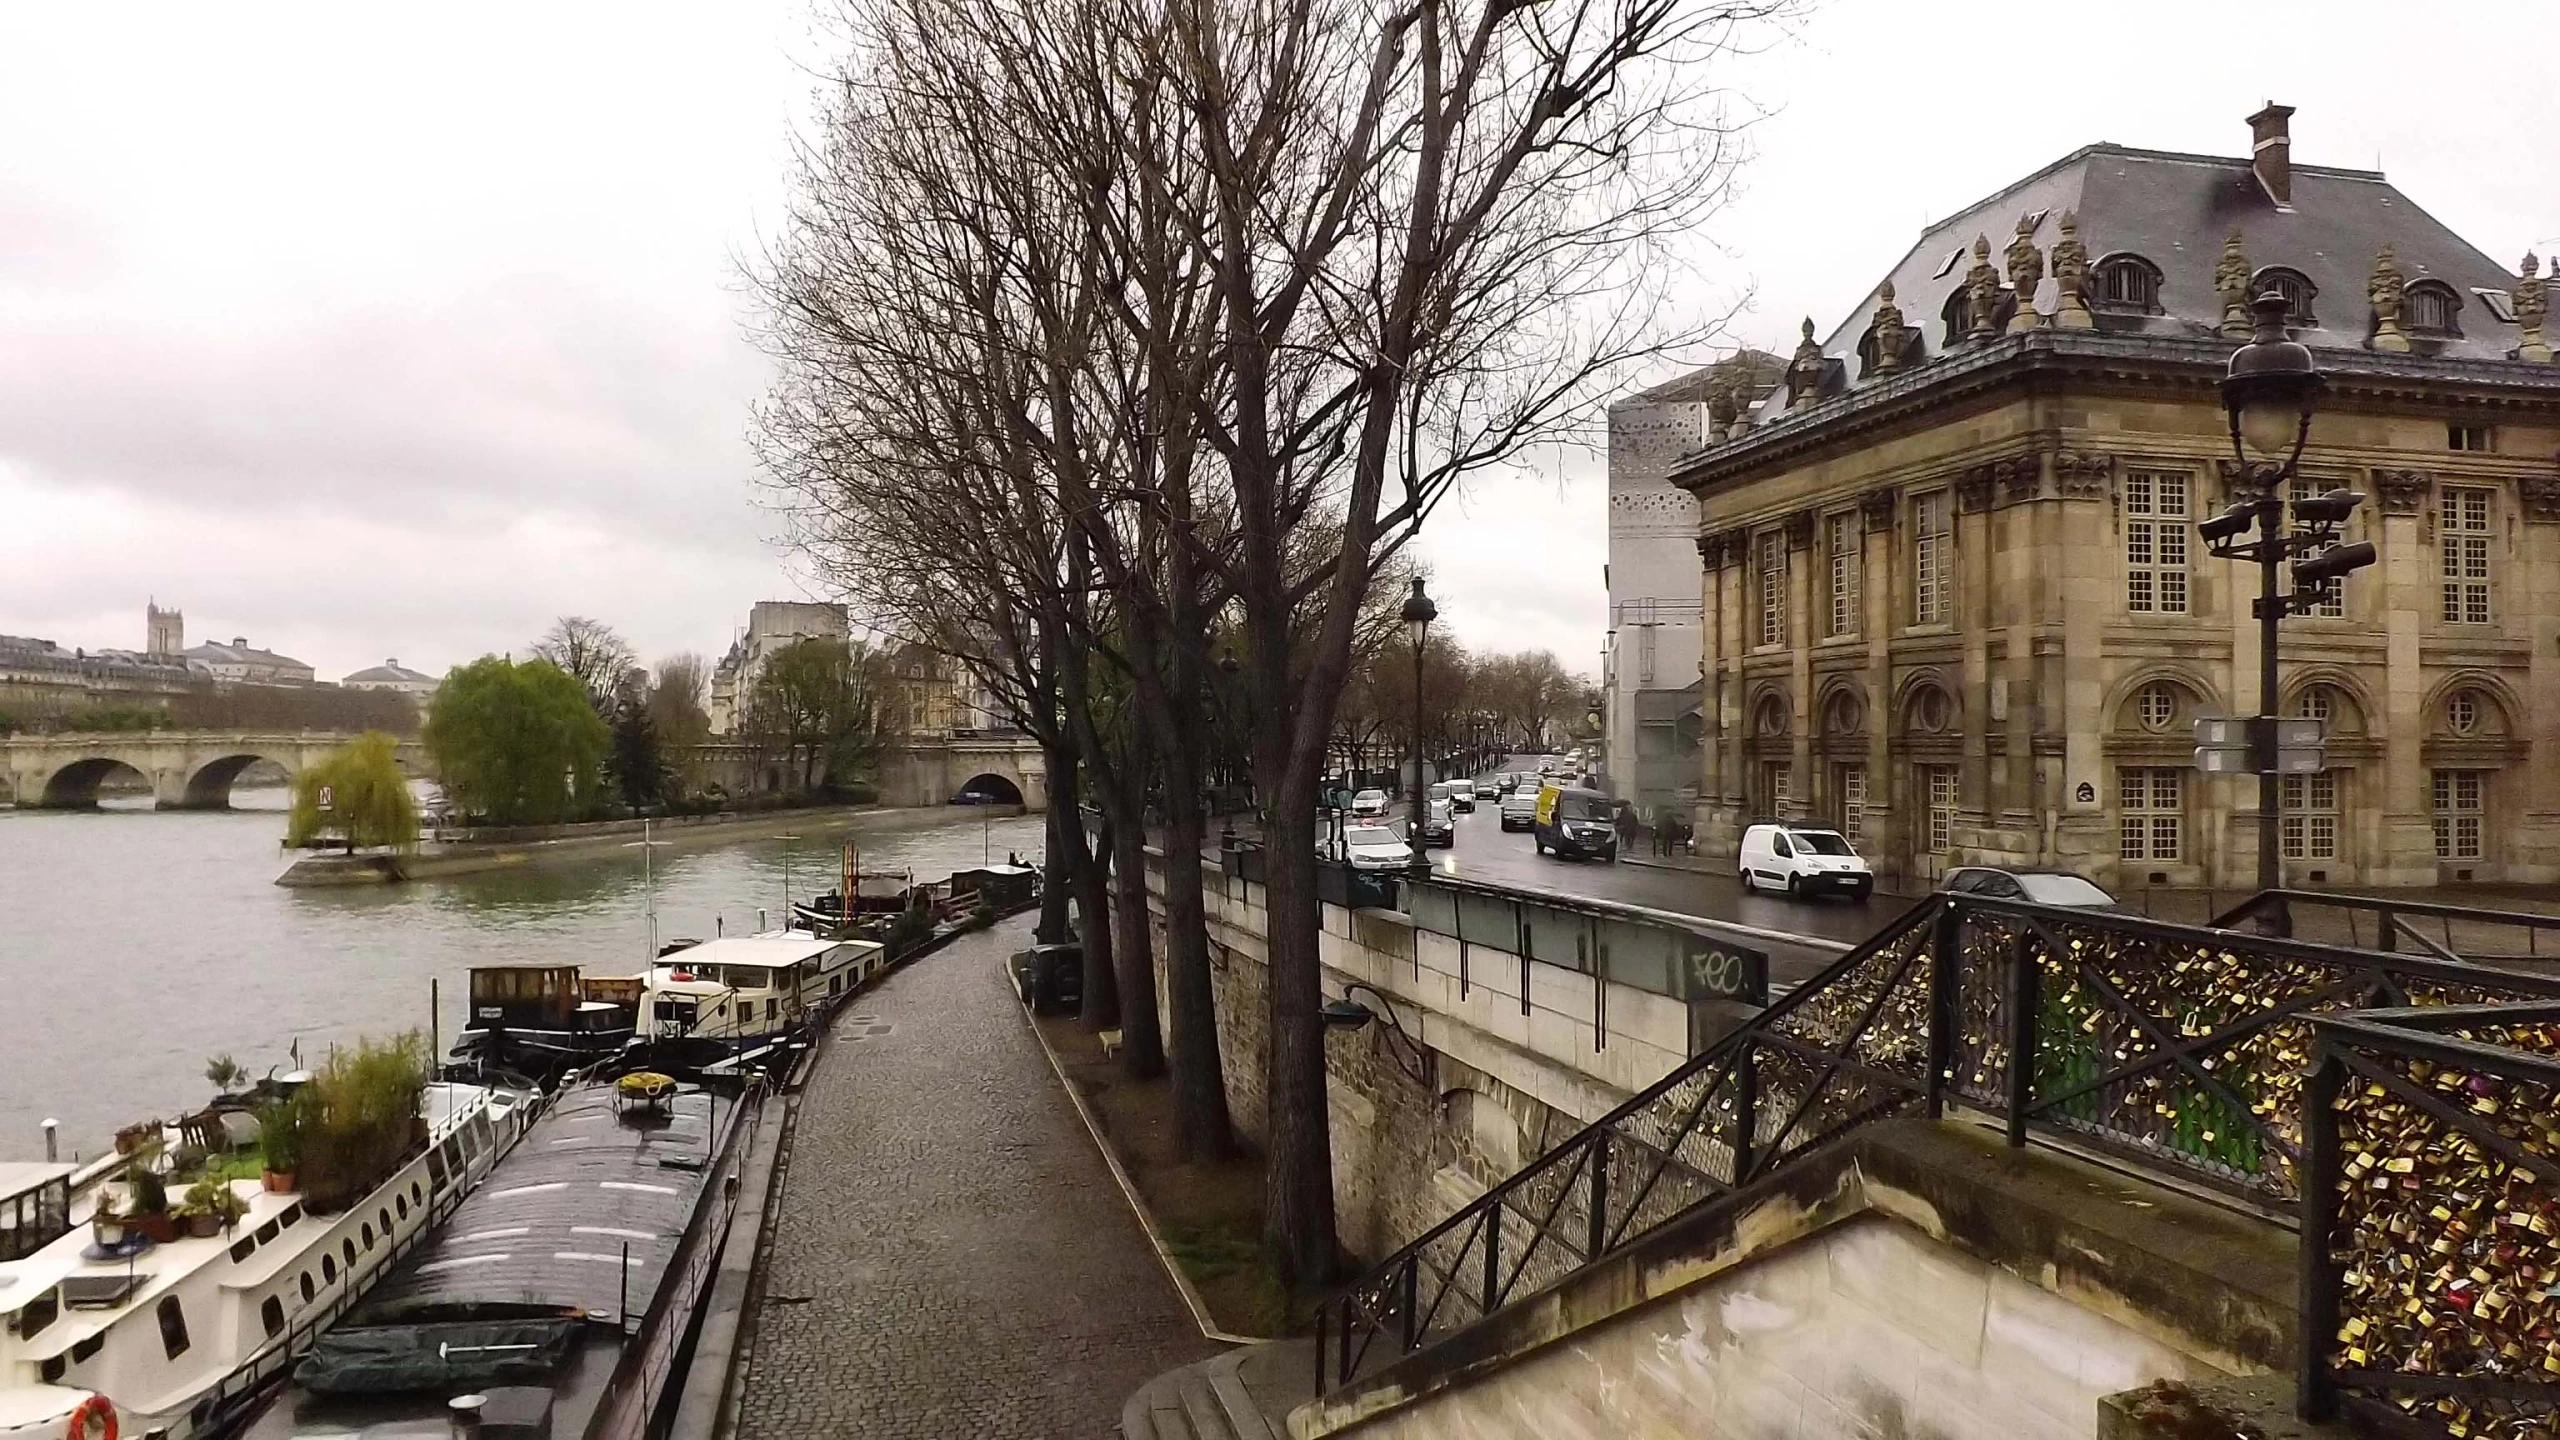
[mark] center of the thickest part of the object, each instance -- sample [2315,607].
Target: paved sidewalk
[952,1257]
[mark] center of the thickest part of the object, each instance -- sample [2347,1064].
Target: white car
[1374,847]
[1369,802]
[1803,860]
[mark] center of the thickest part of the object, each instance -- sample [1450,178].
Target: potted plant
[283,1128]
[151,1202]
[209,1207]
[107,1221]
[224,1074]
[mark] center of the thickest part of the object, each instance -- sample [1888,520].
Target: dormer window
[2430,309]
[2295,287]
[2125,284]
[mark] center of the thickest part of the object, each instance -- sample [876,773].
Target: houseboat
[559,1300]
[176,1338]
[731,1001]
[542,1020]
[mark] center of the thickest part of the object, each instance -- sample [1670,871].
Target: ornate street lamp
[1419,612]
[2269,391]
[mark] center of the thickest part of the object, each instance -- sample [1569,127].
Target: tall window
[1933,574]
[1849,789]
[1840,544]
[1777,779]
[2310,824]
[2150,813]
[2458,814]
[1773,588]
[1940,784]
[2462,532]
[2333,591]
[2155,542]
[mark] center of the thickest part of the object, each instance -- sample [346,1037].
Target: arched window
[1840,714]
[1952,315]
[2431,309]
[2125,284]
[2157,705]
[2462,712]
[1770,717]
[2317,702]
[2295,287]
[1929,712]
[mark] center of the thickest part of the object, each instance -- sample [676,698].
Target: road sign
[2255,745]
[2221,732]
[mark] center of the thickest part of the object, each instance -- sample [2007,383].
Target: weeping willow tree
[357,796]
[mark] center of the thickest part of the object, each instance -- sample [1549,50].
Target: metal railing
[2376,922]
[2181,1048]
[2431,1221]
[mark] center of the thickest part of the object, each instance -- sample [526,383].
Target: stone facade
[1958,603]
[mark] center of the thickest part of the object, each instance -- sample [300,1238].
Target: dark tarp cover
[459,1356]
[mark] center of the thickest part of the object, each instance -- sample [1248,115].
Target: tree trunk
[1202,1129]
[1298,1220]
[1141,1029]
[1058,866]
[1100,1008]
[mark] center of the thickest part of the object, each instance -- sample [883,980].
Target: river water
[135,944]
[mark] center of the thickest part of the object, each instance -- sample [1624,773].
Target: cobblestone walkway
[952,1257]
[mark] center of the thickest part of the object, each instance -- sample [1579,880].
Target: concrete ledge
[2207,1282]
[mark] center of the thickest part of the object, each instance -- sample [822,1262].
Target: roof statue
[1804,372]
[1889,330]
[2026,271]
[2531,306]
[2071,278]
[2384,291]
[2231,282]
[1982,292]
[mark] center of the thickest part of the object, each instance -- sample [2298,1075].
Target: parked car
[1369,802]
[1520,808]
[1050,978]
[1460,795]
[1439,822]
[1574,821]
[1488,787]
[1803,860]
[2042,887]
[1374,847]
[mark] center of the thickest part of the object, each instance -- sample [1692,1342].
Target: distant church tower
[168,629]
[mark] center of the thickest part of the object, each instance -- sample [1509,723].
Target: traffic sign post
[2259,745]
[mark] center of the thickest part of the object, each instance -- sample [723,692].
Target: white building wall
[1654,640]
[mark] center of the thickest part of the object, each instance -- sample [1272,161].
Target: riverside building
[1952,596]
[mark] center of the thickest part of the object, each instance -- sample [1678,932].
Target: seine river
[134,945]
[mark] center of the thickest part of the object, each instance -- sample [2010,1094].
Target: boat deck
[594,1180]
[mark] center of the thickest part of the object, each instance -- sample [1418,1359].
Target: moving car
[2042,887]
[1460,795]
[1369,802]
[1488,787]
[1803,860]
[1374,847]
[1575,821]
[1520,808]
[1439,822]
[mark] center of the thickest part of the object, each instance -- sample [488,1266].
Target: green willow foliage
[516,744]
[369,799]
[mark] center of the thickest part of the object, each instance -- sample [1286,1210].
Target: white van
[1803,860]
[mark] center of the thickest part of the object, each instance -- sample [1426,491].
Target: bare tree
[594,654]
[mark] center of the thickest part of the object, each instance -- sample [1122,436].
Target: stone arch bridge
[188,769]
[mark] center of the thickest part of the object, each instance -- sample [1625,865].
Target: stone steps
[1212,1400]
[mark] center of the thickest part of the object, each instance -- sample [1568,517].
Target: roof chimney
[2271,151]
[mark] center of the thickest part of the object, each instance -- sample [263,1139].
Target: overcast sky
[363,334]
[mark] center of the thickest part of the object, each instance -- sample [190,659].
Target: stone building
[1953,595]
[771,625]
[393,676]
[241,663]
[925,693]
[1649,670]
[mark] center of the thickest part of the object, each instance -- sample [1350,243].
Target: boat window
[386,1223]
[328,1269]
[266,1232]
[292,1215]
[173,1326]
[52,1370]
[348,1249]
[308,1289]
[403,1202]
[271,1315]
[435,1167]
[368,1234]
[245,1247]
[37,1313]
[415,1197]
[82,1350]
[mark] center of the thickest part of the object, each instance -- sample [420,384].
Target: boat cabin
[752,986]
[524,997]
[1001,887]
[35,1208]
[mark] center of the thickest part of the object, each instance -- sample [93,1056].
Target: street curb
[1128,1189]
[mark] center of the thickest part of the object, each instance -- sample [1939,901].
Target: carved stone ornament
[1710,553]
[1734,546]
[2531,306]
[2071,278]
[1804,372]
[1889,331]
[2384,291]
[2231,283]
[1876,507]
[2021,477]
[2245,482]
[1973,490]
[1982,292]
[2079,475]
[2404,492]
[1800,530]
[1720,411]
[2026,271]
[2541,495]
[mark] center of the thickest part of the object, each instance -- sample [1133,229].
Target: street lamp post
[1418,615]
[2269,391]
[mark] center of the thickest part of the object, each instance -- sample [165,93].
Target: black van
[1575,821]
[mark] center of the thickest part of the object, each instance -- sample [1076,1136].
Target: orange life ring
[98,1409]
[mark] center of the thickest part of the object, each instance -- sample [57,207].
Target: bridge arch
[997,788]
[75,786]
[208,786]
